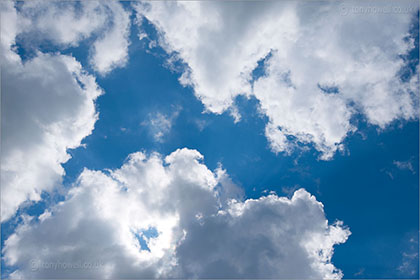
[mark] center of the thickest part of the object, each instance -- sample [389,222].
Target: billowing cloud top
[174,217]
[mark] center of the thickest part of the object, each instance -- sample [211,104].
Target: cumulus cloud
[67,23]
[173,217]
[47,107]
[323,62]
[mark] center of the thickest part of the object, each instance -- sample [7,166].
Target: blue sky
[372,184]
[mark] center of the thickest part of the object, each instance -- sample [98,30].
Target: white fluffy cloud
[61,22]
[47,107]
[48,101]
[66,23]
[324,62]
[192,222]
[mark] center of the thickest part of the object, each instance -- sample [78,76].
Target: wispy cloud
[160,125]
[410,257]
[405,165]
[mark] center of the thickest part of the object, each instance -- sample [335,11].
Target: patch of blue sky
[259,71]
[144,236]
[329,89]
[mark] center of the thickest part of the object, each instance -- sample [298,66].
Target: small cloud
[289,191]
[409,265]
[152,44]
[389,173]
[234,112]
[404,165]
[399,165]
[142,35]
[360,272]
[160,124]
[201,124]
